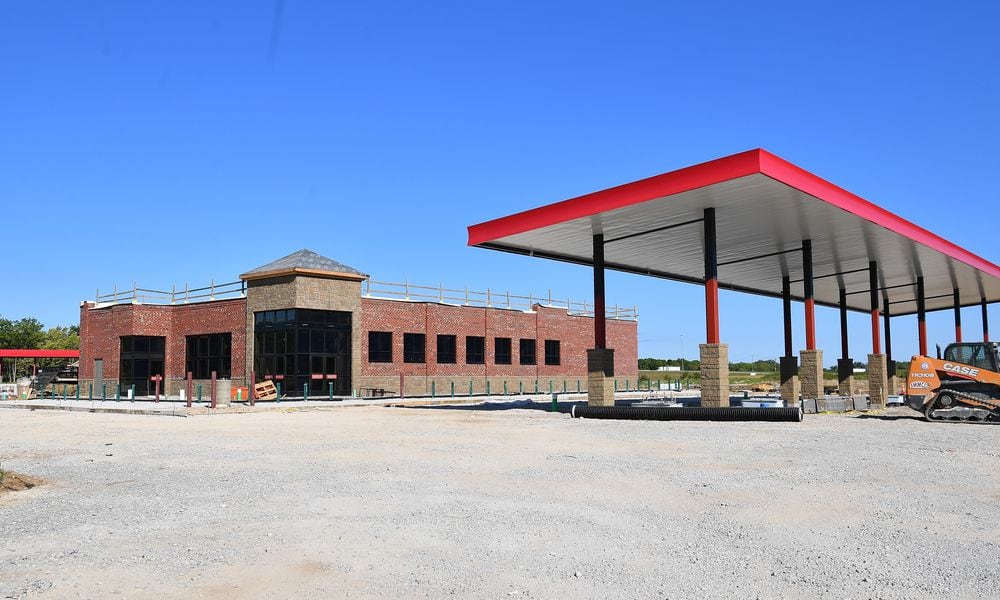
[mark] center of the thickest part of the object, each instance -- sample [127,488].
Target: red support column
[786,305]
[921,317]
[600,313]
[807,282]
[873,303]
[958,314]
[711,280]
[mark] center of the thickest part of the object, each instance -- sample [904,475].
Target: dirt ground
[438,502]
[15,482]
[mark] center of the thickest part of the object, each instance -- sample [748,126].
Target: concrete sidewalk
[178,408]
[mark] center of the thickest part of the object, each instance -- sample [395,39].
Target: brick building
[306,319]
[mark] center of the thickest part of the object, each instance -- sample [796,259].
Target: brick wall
[574,333]
[102,328]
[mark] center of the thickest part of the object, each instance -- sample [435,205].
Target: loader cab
[975,354]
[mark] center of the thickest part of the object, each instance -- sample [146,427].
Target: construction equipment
[962,386]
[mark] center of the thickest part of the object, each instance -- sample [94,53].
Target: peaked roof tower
[305,262]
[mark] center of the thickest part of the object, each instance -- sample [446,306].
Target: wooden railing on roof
[490,298]
[138,295]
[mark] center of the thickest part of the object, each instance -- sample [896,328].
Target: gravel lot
[432,502]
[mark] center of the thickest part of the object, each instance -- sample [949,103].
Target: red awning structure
[765,208]
[17,353]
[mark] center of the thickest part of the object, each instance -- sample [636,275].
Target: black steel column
[958,314]
[844,351]
[888,333]
[600,313]
[807,283]
[711,280]
[786,305]
[873,303]
[921,317]
[986,323]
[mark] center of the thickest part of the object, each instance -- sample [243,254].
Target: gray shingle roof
[305,259]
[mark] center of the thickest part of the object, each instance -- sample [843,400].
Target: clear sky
[167,142]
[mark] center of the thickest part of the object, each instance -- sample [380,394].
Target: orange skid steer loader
[963,386]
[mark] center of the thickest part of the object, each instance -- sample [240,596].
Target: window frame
[525,358]
[475,350]
[376,352]
[453,339]
[503,356]
[205,352]
[415,348]
[553,359]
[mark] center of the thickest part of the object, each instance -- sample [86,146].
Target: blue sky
[171,142]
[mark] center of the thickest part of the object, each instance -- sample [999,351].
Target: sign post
[156,379]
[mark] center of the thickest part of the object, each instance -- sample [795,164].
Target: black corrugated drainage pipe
[684,413]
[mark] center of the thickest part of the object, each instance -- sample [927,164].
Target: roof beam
[749,258]
[657,230]
[832,274]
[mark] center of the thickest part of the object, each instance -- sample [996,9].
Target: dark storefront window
[501,351]
[475,350]
[446,349]
[552,352]
[295,344]
[414,347]
[527,352]
[211,352]
[141,358]
[379,347]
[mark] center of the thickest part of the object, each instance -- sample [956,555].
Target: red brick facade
[574,333]
[101,328]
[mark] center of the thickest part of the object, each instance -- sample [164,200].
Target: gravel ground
[432,502]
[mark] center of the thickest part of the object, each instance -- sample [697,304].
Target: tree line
[30,334]
[652,364]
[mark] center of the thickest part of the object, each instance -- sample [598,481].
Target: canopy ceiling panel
[764,207]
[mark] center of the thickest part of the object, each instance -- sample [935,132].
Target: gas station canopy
[765,207]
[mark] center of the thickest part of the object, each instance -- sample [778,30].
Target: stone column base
[789,374]
[878,382]
[845,376]
[714,375]
[600,377]
[811,374]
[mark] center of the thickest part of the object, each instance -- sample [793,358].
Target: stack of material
[265,391]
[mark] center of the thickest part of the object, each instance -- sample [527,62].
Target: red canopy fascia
[713,172]
[18,353]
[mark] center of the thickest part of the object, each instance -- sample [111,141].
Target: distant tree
[23,333]
[62,338]
[652,364]
[29,334]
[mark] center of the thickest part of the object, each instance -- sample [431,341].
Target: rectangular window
[501,351]
[413,347]
[141,357]
[379,347]
[210,352]
[528,352]
[446,349]
[475,350]
[552,352]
